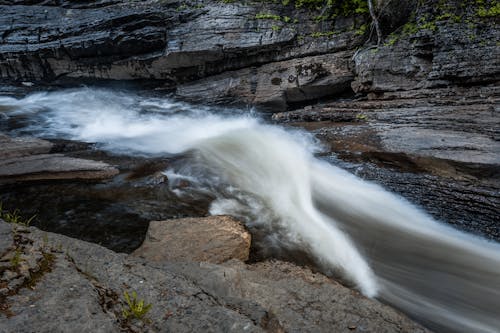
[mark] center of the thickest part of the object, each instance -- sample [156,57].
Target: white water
[383,244]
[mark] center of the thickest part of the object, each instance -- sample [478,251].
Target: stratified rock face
[170,42]
[81,289]
[277,84]
[28,159]
[218,52]
[214,239]
[451,53]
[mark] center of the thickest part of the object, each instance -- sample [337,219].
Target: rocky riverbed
[418,114]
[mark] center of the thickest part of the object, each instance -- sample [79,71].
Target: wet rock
[453,125]
[53,167]
[23,146]
[29,159]
[212,239]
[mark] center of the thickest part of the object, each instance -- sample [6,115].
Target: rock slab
[214,239]
[29,159]
[83,292]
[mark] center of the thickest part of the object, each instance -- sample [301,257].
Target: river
[269,176]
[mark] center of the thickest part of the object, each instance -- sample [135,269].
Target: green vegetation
[14,217]
[135,308]
[336,7]
[16,259]
[362,29]
[267,16]
[319,34]
[275,28]
[493,11]
[361,117]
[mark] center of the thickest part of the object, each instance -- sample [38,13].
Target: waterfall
[381,243]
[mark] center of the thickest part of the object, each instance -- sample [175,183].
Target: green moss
[286,19]
[493,11]
[268,16]
[393,38]
[336,7]
[275,28]
[320,18]
[319,34]
[181,7]
[362,30]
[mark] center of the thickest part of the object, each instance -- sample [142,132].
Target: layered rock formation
[29,159]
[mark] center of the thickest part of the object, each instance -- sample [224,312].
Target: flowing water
[269,177]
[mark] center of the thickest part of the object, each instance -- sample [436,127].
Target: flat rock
[212,239]
[23,146]
[83,292]
[53,167]
[301,301]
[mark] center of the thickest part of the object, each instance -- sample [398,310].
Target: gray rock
[212,239]
[23,146]
[454,124]
[83,291]
[28,159]
[276,84]
[53,167]
[301,301]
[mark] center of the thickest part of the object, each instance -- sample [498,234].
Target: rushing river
[269,177]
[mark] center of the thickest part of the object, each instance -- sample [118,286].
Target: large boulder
[212,239]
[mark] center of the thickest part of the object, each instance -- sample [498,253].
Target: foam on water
[380,242]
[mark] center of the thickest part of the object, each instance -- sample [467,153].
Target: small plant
[14,217]
[135,308]
[361,117]
[16,259]
[275,28]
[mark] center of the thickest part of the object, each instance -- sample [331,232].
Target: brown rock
[52,167]
[212,239]
[18,147]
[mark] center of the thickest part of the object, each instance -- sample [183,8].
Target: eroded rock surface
[84,288]
[214,239]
